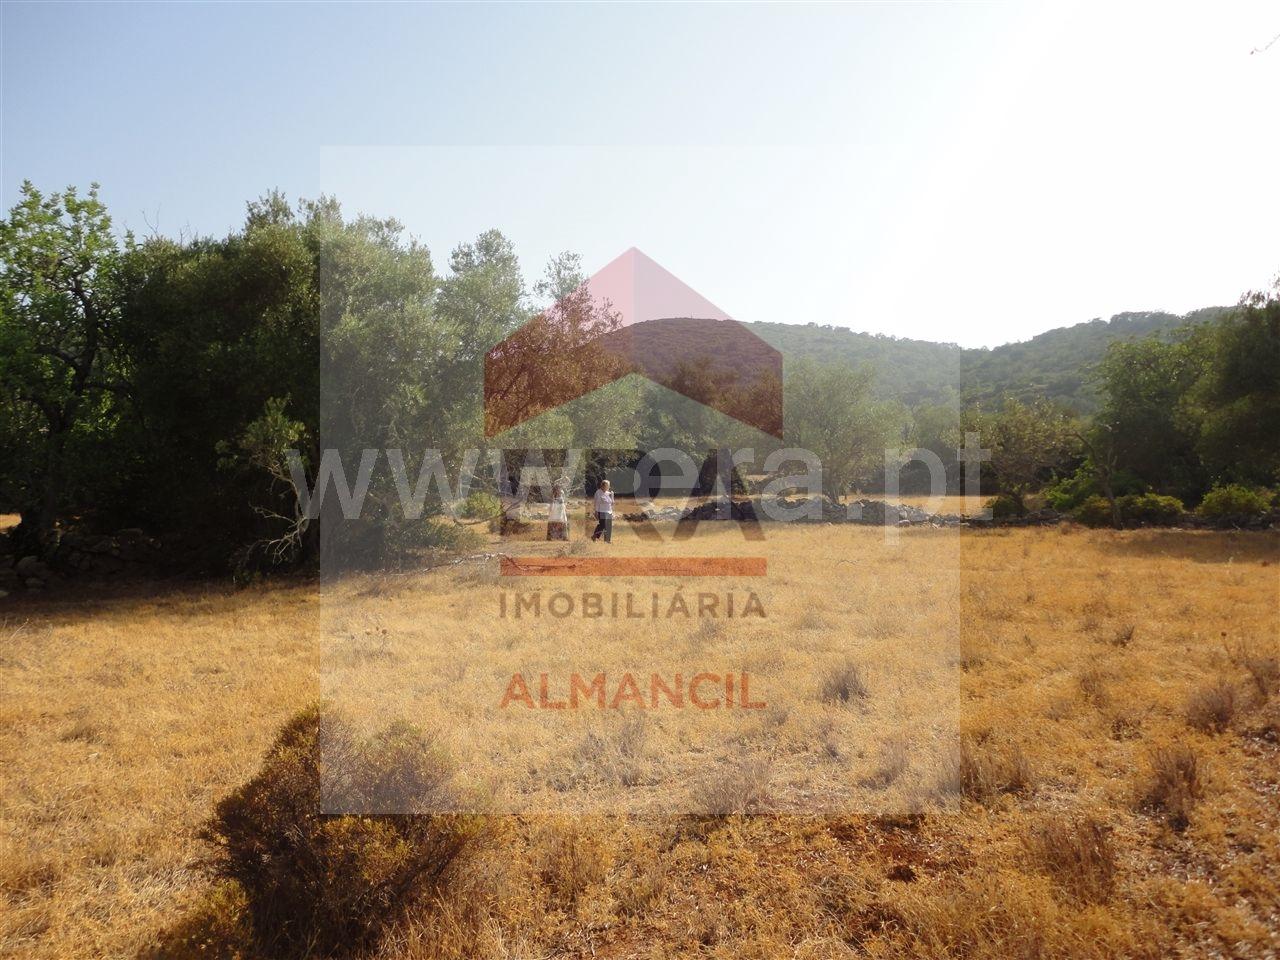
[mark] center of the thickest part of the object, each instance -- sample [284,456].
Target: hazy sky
[965,172]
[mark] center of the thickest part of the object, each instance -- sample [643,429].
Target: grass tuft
[1174,784]
[843,684]
[1077,855]
[1211,708]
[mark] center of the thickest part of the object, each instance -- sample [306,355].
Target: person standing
[604,513]
[558,515]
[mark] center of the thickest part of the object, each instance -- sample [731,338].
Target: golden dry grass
[1072,664]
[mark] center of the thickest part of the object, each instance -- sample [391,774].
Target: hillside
[1055,364]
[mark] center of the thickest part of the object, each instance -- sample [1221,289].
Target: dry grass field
[1005,744]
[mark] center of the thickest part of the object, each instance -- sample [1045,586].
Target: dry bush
[987,915]
[1125,723]
[740,789]
[811,619]
[1266,725]
[1124,635]
[644,881]
[844,683]
[894,760]
[1093,684]
[1265,673]
[1211,708]
[84,730]
[1173,785]
[1078,855]
[570,857]
[325,885]
[1263,669]
[216,928]
[982,771]
[617,756]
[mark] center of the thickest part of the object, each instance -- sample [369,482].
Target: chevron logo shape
[633,316]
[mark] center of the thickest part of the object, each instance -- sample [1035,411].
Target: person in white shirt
[604,513]
[558,515]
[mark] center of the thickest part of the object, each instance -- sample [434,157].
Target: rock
[740,510]
[31,567]
[34,583]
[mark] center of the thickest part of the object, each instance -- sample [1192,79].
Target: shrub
[217,928]
[430,536]
[1005,505]
[480,505]
[1233,500]
[1145,508]
[1067,493]
[618,756]
[1263,668]
[894,760]
[570,859]
[1150,508]
[983,772]
[1211,708]
[844,683]
[1265,673]
[322,885]
[1094,512]
[1126,723]
[1266,725]
[1093,684]
[741,789]
[1077,855]
[1173,785]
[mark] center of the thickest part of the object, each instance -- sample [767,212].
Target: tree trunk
[1109,492]
[44,534]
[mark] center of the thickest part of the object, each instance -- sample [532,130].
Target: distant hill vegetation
[1056,364]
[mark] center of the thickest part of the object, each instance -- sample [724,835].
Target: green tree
[213,329]
[1237,400]
[1028,441]
[60,293]
[830,411]
[1143,424]
[935,427]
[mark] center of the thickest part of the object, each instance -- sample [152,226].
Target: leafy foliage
[1005,505]
[1028,443]
[831,412]
[1237,400]
[481,505]
[1233,500]
[1094,511]
[1151,509]
[188,387]
[62,282]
